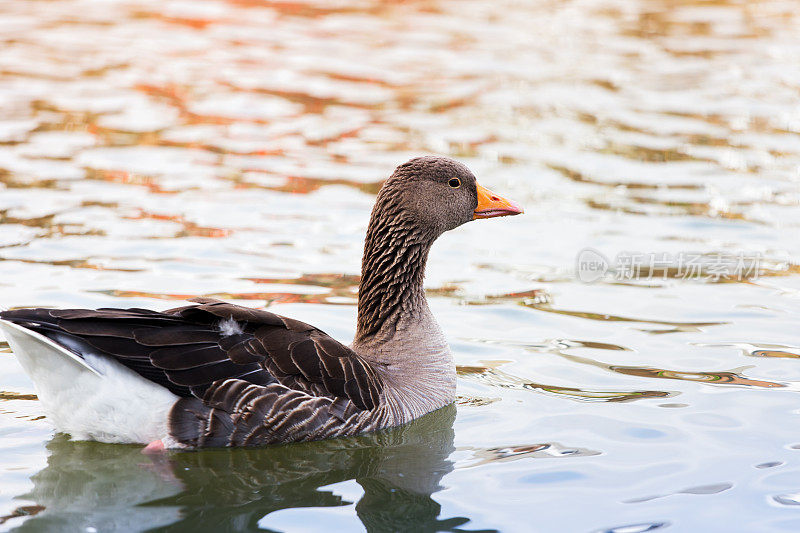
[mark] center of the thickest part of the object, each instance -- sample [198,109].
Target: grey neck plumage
[396,329]
[391,295]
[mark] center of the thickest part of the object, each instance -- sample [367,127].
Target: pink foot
[157,446]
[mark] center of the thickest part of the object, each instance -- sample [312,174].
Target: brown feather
[172,336]
[203,375]
[187,357]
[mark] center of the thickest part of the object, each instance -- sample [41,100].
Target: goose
[215,374]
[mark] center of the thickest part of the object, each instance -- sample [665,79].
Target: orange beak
[490,205]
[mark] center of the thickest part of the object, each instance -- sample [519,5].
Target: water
[153,151]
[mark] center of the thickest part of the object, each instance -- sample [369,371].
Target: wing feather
[180,358]
[185,350]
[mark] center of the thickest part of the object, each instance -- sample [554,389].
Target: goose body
[217,374]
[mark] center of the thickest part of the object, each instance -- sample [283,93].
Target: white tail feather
[97,398]
[18,337]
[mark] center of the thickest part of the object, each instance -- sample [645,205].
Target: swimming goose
[216,374]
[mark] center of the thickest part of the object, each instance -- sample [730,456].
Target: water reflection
[490,375]
[716,488]
[9,395]
[160,150]
[116,488]
[675,326]
[500,454]
[780,351]
[721,377]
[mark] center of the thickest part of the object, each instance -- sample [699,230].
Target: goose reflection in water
[116,488]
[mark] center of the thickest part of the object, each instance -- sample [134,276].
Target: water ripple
[497,378]
[715,488]
[498,454]
[154,151]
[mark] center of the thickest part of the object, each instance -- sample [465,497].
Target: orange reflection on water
[190,229]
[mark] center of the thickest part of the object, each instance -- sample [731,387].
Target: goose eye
[454,183]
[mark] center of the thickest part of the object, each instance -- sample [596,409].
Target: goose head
[437,194]
[422,199]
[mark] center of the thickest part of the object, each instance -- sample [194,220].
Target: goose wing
[188,349]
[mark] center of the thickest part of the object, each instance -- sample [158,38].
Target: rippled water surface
[155,151]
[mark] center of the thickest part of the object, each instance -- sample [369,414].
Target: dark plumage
[247,377]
